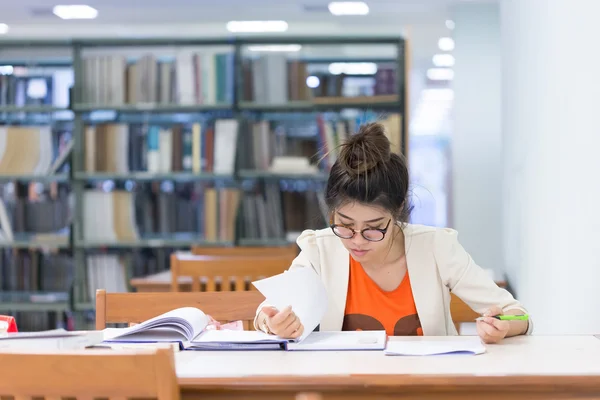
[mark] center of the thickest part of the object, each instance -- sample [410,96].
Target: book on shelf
[203,212]
[191,328]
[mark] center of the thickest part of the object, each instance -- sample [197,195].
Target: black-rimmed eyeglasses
[370,234]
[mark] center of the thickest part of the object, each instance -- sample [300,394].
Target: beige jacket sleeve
[469,281]
[308,258]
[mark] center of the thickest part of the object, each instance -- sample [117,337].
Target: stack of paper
[457,345]
[56,339]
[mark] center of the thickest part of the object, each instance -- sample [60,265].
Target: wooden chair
[461,312]
[291,250]
[130,308]
[89,374]
[213,270]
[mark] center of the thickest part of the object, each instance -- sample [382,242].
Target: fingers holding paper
[284,323]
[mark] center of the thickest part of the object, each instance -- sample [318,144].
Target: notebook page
[300,288]
[458,345]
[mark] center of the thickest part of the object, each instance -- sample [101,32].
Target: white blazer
[437,265]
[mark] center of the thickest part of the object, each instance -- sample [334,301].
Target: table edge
[418,383]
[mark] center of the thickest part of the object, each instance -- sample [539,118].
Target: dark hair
[366,171]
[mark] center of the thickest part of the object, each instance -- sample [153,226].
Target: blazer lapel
[420,281]
[335,277]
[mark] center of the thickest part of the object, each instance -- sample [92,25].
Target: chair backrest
[290,250]
[461,312]
[89,374]
[114,308]
[239,270]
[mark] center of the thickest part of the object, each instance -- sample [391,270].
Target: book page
[181,324]
[300,288]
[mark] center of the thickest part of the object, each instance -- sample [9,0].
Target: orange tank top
[368,307]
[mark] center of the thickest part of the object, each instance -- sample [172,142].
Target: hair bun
[365,150]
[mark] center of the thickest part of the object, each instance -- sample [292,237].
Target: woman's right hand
[284,323]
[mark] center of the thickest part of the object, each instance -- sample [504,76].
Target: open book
[179,325]
[190,327]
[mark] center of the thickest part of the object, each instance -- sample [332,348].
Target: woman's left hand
[492,330]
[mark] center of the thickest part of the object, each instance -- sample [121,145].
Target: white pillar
[477,135]
[551,109]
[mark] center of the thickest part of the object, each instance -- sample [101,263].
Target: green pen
[524,317]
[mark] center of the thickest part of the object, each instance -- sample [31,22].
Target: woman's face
[357,217]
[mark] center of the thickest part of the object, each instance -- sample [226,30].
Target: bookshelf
[258,121]
[36,265]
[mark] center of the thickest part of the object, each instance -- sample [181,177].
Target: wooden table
[534,367]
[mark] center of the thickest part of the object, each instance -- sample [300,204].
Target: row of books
[25,270]
[207,77]
[109,216]
[204,77]
[197,147]
[26,210]
[264,80]
[35,277]
[123,216]
[206,213]
[273,214]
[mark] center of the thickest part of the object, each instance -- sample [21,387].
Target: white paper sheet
[300,288]
[344,340]
[458,345]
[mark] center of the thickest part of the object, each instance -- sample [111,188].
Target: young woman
[382,273]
